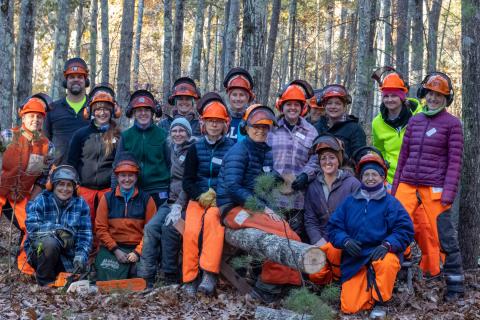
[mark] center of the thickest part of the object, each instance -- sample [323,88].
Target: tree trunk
[231,35]
[447,14]
[469,220]
[223,52]
[387,32]
[327,57]
[167,48]
[79,29]
[136,49]
[6,61]
[317,45]
[125,53]
[265,313]
[272,38]
[402,44]
[292,13]
[105,42]
[350,68]
[216,68]
[433,19]
[370,64]
[417,46]
[301,256]
[61,50]
[93,42]
[208,43]
[411,13]
[178,39]
[341,47]
[197,42]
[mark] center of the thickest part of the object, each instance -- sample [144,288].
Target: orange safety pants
[202,241]
[272,273]
[20,217]
[424,216]
[356,294]
[331,271]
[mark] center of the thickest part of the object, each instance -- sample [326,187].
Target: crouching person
[203,235]
[247,160]
[373,230]
[121,216]
[58,227]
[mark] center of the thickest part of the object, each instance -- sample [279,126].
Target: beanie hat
[398,92]
[182,122]
[374,166]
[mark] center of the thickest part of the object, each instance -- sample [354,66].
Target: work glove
[300,182]
[174,215]
[353,247]
[380,252]
[208,199]
[78,264]
[65,237]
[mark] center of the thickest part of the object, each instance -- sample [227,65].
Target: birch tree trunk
[93,42]
[178,39]
[341,47]
[125,54]
[401,44]
[6,61]
[469,220]
[136,49]
[79,29]
[167,48]
[327,57]
[317,45]
[417,46]
[433,19]
[197,42]
[208,43]
[272,38]
[61,50]
[223,52]
[105,42]
[292,12]
[231,36]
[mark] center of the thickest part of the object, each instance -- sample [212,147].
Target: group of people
[84,193]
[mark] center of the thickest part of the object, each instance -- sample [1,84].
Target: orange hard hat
[438,83]
[334,91]
[371,158]
[34,104]
[293,92]
[75,66]
[393,81]
[127,166]
[239,78]
[259,114]
[102,96]
[215,109]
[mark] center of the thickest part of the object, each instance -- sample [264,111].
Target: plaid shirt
[44,217]
[291,155]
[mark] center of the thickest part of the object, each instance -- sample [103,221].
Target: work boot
[263,296]
[190,288]
[378,312]
[208,283]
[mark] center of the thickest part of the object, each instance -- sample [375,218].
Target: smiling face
[184,104]
[392,102]
[258,132]
[435,100]
[329,163]
[143,115]
[127,180]
[334,108]
[214,127]
[292,109]
[178,135]
[102,112]
[33,121]
[63,189]
[76,83]
[371,178]
[238,99]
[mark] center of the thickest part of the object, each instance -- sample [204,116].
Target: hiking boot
[190,288]
[265,297]
[208,283]
[378,312]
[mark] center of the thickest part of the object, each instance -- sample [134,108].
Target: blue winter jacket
[382,218]
[245,161]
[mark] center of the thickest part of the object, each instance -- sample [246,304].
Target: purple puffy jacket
[431,154]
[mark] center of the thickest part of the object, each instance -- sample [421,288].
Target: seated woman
[247,160]
[58,227]
[203,234]
[323,196]
[121,216]
[373,230]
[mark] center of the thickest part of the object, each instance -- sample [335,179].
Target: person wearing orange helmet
[335,98]
[291,142]
[66,115]
[238,84]
[183,97]
[316,111]
[373,230]
[26,158]
[203,235]
[428,172]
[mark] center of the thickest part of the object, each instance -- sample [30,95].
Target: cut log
[264,313]
[301,256]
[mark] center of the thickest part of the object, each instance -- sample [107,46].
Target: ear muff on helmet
[75,66]
[45,98]
[62,172]
[143,98]
[438,82]
[296,90]
[331,91]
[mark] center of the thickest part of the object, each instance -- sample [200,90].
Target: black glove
[353,247]
[65,237]
[300,182]
[380,252]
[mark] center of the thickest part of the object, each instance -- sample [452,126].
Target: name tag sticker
[163,195]
[241,217]
[300,135]
[267,169]
[217,160]
[431,132]
[181,158]
[437,190]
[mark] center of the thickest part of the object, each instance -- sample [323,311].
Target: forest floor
[21,298]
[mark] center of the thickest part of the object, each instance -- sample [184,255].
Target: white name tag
[241,217]
[267,169]
[300,135]
[181,158]
[217,161]
[437,190]
[431,132]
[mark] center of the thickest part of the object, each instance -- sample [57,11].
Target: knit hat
[182,122]
[398,92]
[374,166]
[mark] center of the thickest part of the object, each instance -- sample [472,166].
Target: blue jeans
[160,242]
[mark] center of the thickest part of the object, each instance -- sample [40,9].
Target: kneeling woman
[247,160]
[121,216]
[373,230]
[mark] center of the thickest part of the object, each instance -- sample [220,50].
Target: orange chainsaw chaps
[61,280]
[133,284]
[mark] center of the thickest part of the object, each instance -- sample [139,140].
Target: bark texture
[138,38]
[93,42]
[178,39]
[271,45]
[433,19]
[6,61]
[105,41]
[231,36]
[125,56]
[79,29]
[197,42]
[417,46]
[167,47]
[61,49]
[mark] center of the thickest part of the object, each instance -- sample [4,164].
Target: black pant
[46,259]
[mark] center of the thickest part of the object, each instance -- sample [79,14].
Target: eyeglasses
[214,121]
[103,109]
